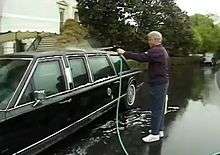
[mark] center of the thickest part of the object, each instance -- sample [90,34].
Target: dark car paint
[32,129]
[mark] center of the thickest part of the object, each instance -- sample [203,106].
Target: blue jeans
[157,107]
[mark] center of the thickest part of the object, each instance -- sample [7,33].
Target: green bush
[73,34]
[184,60]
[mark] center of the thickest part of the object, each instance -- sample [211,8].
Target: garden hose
[117,109]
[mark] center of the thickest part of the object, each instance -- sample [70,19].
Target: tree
[102,19]
[166,17]
[107,21]
[209,33]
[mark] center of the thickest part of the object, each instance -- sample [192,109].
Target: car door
[27,124]
[80,86]
[105,84]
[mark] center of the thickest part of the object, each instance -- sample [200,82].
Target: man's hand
[120,51]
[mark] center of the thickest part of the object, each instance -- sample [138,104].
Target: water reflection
[155,149]
[217,77]
[194,130]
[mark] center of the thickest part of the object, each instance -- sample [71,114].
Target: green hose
[117,110]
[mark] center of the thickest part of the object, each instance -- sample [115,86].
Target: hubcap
[131,95]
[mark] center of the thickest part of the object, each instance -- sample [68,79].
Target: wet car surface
[192,126]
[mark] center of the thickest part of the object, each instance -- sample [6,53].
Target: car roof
[53,53]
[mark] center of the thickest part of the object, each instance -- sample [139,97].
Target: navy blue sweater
[158,58]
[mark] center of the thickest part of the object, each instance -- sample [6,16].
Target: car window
[28,95]
[47,76]
[11,73]
[100,67]
[79,72]
[116,61]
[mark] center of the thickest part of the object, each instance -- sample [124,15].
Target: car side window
[11,73]
[28,95]
[47,76]
[116,61]
[100,67]
[79,72]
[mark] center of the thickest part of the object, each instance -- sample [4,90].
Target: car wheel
[129,100]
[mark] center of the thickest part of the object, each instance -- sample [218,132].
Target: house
[22,21]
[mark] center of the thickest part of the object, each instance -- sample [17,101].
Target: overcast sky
[200,6]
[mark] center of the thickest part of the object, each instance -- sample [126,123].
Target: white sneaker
[151,138]
[161,133]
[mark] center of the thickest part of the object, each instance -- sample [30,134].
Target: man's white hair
[155,34]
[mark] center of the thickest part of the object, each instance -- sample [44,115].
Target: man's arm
[142,57]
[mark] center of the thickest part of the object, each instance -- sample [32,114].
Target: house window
[62,20]
[76,16]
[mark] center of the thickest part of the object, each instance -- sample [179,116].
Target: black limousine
[45,96]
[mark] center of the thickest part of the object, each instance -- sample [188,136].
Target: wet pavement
[192,121]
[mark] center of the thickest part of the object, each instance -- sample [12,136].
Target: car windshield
[11,73]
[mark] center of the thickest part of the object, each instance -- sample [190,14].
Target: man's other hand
[120,51]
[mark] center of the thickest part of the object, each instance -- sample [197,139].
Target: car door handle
[65,101]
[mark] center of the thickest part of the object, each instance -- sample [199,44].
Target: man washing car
[157,57]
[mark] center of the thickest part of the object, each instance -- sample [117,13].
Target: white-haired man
[157,57]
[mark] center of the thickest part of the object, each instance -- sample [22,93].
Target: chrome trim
[48,97]
[104,79]
[9,103]
[17,58]
[68,75]
[30,146]
[67,60]
[63,70]
[89,69]
[30,103]
[66,69]
[26,83]
[22,105]
[83,57]
[132,73]
[70,72]
[36,103]
[74,55]
[112,64]
[60,93]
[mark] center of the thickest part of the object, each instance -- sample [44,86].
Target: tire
[129,99]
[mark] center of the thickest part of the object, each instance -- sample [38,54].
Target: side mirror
[39,96]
